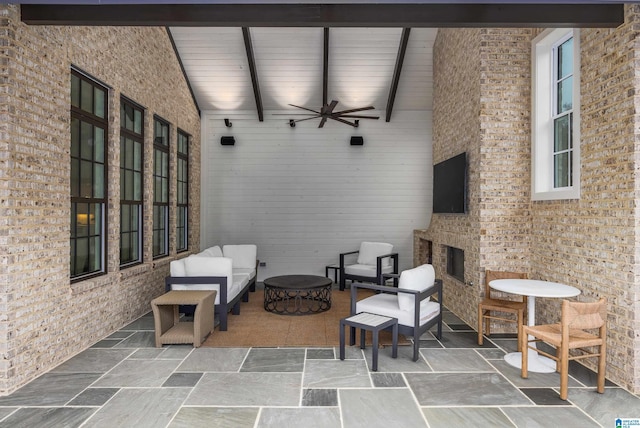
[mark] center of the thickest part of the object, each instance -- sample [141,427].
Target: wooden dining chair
[571,333]
[494,308]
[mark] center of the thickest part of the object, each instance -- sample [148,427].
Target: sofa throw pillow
[419,279]
[369,252]
[209,266]
[176,268]
[211,252]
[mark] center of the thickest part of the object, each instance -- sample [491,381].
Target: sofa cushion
[365,270]
[176,268]
[211,252]
[387,305]
[370,251]
[209,266]
[244,256]
[419,279]
[250,273]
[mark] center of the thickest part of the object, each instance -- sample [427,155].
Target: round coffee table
[297,294]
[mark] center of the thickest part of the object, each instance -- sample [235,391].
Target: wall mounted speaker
[227,141]
[357,141]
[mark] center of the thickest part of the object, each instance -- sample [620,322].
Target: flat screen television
[450,185]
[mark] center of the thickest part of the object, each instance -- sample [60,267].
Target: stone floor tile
[50,389]
[403,363]
[456,360]
[535,380]
[93,361]
[93,397]
[182,380]
[140,339]
[214,360]
[544,396]
[106,343]
[48,417]
[320,354]
[320,397]
[606,408]
[140,408]
[247,389]
[382,408]
[138,374]
[336,374]
[215,417]
[388,380]
[447,417]
[463,339]
[274,360]
[303,417]
[465,389]
[550,417]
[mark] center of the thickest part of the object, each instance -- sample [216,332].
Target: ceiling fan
[326,112]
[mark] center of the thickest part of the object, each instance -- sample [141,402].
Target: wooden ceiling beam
[402,49]
[405,15]
[325,69]
[246,34]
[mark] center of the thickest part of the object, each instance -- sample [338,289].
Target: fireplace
[455,263]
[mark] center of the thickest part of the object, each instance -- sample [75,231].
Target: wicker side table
[169,328]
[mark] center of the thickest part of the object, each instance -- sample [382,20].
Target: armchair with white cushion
[410,303]
[374,260]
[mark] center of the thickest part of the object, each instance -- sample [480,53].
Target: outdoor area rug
[256,327]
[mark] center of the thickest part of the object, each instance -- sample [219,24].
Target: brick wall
[44,320]
[481,105]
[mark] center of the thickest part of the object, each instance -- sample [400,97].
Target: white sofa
[231,271]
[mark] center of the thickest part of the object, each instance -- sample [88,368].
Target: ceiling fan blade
[304,108]
[328,109]
[342,121]
[353,110]
[293,114]
[323,121]
[308,118]
[355,116]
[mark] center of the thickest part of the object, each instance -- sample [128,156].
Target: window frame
[137,138]
[82,115]
[543,97]
[165,177]
[182,206]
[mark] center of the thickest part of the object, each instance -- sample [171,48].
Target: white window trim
[542,112]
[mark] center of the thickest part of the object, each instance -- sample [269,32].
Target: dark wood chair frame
[375,279]
[414,332]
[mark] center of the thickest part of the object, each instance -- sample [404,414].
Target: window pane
[86,93]
[75,177]
[75,91]
[565,59]
[75,137]
[165,190]
[561,133]
[82,255]
[125,248]
[137,186]
[86,183]
[95,219]
[86,140]
[157,162]
[128,153]
[125,217]
[137,121]
[99,102]
[561,170]
[165,164]
[128,117]
[137,156]
[98,184]
[99,145]
[565,95]
[128,189]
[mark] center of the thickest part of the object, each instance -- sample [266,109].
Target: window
[131,139]
[556,115]
[160,187]
[88,176]
[182,198]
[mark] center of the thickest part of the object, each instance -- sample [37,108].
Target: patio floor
[124,381]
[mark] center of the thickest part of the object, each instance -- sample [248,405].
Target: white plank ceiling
[289,63]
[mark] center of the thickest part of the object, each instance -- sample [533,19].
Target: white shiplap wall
[304,195]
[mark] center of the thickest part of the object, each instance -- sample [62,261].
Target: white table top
[534,287]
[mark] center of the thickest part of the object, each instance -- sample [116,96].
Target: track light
[292,123]
[227,141]
[228,123]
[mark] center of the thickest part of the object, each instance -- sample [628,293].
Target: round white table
[533,288]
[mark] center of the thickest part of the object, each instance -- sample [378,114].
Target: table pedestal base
[537,363]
